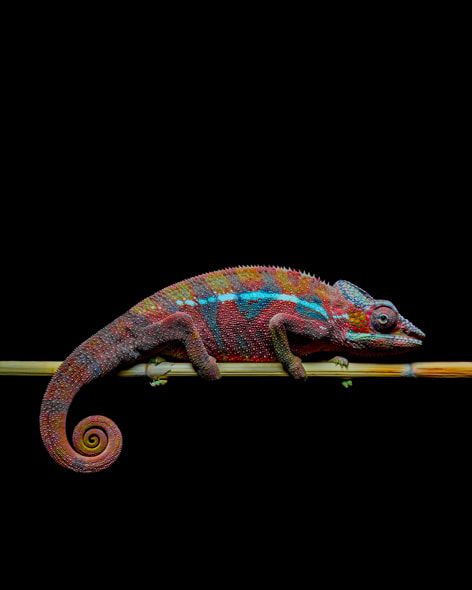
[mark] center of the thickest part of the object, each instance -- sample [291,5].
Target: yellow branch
[319,369]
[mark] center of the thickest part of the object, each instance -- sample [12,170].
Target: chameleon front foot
[340,361]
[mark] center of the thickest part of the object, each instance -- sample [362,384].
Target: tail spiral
[97,441]
[93,436]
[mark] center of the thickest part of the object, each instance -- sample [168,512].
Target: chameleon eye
[384,319]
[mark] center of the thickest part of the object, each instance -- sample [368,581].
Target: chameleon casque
[251,313]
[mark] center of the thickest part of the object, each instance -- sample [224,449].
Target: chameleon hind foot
[159,380]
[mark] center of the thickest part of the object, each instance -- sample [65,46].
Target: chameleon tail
[97,440]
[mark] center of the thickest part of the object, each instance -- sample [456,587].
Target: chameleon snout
[412,331]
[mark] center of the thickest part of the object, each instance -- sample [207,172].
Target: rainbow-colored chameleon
[249,313]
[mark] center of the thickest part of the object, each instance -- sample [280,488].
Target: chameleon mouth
[403,341]
[408,340]
[388,341]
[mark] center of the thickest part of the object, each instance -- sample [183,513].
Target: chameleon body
[253,313]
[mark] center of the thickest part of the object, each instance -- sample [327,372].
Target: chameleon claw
[340,361]
[346,383]
[156,360]
[157,382]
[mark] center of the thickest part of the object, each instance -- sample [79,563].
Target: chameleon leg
[282,323]
[179,327]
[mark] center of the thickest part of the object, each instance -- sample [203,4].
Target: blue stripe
[259,296]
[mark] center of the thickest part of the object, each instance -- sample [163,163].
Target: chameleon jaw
[387,341]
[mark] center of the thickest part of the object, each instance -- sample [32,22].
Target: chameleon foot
[156,361]
[340,361]
[157,382]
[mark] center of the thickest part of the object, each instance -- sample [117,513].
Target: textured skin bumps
[254,314]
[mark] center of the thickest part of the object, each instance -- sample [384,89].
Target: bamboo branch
[318,369]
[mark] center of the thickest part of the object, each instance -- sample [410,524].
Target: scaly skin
[253,313]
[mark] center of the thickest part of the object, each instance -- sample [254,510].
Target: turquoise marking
[355,336]
[358,336]
[391,338]
[258,296]
[186,302]
[252,311]
[227,297]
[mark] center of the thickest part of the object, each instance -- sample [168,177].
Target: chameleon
[241,314]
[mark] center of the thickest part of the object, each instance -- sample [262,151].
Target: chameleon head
[373,326]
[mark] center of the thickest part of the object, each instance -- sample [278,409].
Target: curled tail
[97,440]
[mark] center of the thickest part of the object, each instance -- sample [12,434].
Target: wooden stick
[319,369]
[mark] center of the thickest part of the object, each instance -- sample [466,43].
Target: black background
[121,179]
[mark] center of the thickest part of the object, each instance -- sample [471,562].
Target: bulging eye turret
[384,319]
